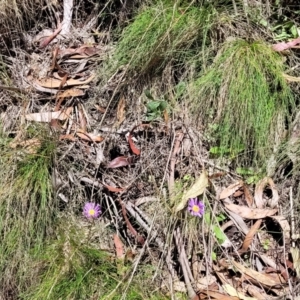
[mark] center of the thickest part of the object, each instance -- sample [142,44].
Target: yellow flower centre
[195,208]
[91,212]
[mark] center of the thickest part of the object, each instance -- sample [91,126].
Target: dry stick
[293,231]
[187,274]
[178,140]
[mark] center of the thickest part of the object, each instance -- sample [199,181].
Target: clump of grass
[27,208]
[161,33]
[240,99]
[72,267]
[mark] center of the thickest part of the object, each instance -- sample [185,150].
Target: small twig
[178,140]
[187,274]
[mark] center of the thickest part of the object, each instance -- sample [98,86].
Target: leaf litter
[122,185]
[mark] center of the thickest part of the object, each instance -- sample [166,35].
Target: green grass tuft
[159,34]
[70,267]
[27,208]
[243,100]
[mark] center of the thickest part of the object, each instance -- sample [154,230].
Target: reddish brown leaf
[48,39]
[138,237]
[69,137]
[121,161]
[119,247]
[114,189]
[250,235]
[284,46]
[133,148]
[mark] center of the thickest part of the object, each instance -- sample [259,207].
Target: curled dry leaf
[121,161]
[249,213]
[197,189]
[231,189]
[259,190]
[250,235]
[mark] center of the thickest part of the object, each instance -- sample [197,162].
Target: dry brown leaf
[230,290]
[259,190]
[217,295]
[258,277]
[121,161]
[114,189]
[89,136]
[248,196]
[197,189]
[231,189]
[256,292]
[250,235]
[249,213]
[119,247]
[69,137]
[70,93]
[48,116]
[121,110]
[56,83]
[45,41]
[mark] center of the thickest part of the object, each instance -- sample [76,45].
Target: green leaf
[148,95]
[220,218]
[214,256]
[207,218]
[152,106]
[221,237]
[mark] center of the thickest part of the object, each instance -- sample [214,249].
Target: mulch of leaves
[133,163]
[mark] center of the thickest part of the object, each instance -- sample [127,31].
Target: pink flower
[196,207]
[91,210]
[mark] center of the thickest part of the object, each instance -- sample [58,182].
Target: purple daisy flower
[196,207]
[91,210]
